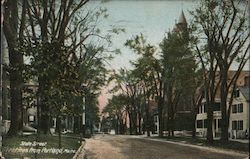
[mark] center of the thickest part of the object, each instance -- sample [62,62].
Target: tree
[13,26]
[179,68]
[67,25]
[148,73]
[115,109]
[196,93]
[128,85]
[149,68]
[92,111]
[226,30]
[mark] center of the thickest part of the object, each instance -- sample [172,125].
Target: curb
[245,155]
[80,152]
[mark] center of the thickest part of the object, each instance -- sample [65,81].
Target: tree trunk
[224,120]
[210,121]
[147,119]
[44,108]
[16,104]
[139,122]
[58,125]
[10,26]
[117,126]
[160,107]
[44,119]
[168,124]
[130,124]
[5,95]
[193,125]
[194,114]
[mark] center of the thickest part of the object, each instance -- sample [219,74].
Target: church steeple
[181,25]
[182,18]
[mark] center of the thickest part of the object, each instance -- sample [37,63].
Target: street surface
[130,147]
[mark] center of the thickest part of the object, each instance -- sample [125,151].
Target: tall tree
[179,67]
[148,72]
[67,24]
[13,26]
[116,108]
[225,26]
[128,85]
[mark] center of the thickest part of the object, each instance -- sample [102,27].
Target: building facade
[239,113]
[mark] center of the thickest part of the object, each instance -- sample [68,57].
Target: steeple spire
[181,25]
[182,18]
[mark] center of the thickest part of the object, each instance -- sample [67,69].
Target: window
[240,108]
[234,125]
[31,118]
[236,93]
[199,123]
[200,109]
[219,123]
[240,125]
[237,125]
[155,118]
[237,108]
[215,124]
[155,127]
[234,108]
[216,106]
[205,108]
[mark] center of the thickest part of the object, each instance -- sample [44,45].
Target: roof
[182,18]
[245,90]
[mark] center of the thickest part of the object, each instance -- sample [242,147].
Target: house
[239,115]
[30,102]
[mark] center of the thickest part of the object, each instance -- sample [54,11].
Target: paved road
[127,147]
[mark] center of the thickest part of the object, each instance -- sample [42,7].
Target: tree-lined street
[188,80]
[132,147]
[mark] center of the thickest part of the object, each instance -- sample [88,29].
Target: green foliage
[62,76]
[178,61]
[147,66]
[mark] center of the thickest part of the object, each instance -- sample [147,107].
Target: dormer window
[236,93]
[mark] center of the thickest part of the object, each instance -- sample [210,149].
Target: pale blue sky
[152,18]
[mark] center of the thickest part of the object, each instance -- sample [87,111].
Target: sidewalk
[240,140]
[80,152]
[245,155]
[245,141]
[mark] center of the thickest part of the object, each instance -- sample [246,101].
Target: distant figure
[246,133]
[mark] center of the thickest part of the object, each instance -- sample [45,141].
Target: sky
[151,18]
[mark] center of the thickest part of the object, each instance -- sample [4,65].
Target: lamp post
[84,88]
[83,118]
